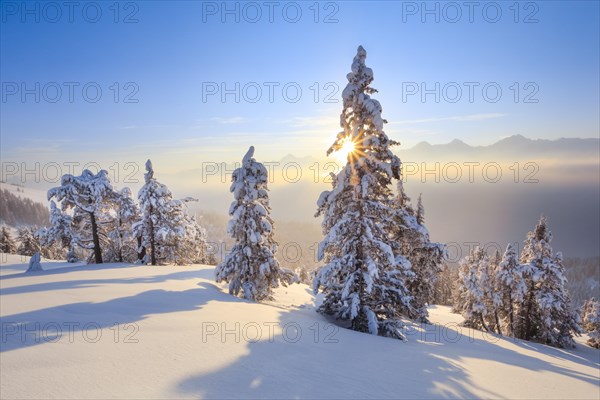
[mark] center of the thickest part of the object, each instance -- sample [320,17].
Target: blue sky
[171,54]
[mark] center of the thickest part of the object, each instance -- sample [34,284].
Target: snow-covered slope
[170,332]
[37,195]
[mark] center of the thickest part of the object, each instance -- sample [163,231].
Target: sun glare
[345,150]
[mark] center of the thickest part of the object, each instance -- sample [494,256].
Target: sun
[346,149]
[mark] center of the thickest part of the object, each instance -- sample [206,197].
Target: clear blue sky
[171,51]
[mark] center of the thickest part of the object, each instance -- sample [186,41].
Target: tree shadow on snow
[86,283]
[339,363]
[40,326]
[314,359]
[62,269]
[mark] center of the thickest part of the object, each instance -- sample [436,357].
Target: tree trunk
[497,323]
[152,241]
[141,249]
[152,245]
[96,239]
[483,323]
[511,318]
[120,251]
[527,333]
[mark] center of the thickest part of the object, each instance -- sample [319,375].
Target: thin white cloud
[130,127]
[310,122]
[455,118]
[230,120]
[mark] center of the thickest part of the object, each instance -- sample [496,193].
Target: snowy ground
[163,332]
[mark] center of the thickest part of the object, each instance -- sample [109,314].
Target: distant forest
[16,211]
[583,275]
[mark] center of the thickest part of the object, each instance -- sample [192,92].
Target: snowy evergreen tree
[558,320]
[473,283]
[87,195]
[445,285]
[545,314]
[191,246]
[60,233]
[165,230]
[52,251]
[420,213]
[7,243]
[251,268]
[411,239]
[492,296]
[28,242]
[123,243]
[363,280]
[591,321]
[163,220]
[510,286]
[527,299]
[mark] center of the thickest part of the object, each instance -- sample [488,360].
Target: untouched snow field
[129,331]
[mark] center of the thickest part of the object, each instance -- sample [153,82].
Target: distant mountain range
[513,147]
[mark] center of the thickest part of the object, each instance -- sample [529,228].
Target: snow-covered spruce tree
[186,241]
[124,214]
[166,231]
[420,211]
[251,268]
[50,251]
[472,288]
[411,239]
[87,195]
[162,216]
[7,243]
[363,280]
[492,296]
[545,314]
[193,248]
[510,287]
[28,242]
[559,320]
[591,321]
[60,233]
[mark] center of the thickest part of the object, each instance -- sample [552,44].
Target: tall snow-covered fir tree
[472,289]
[364,281]
[511,288]
[545,313]
[7,243]
[251,268]
[152,197]
[492,296]
[164,225]
[411,238]
[478,299]
[87,195]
